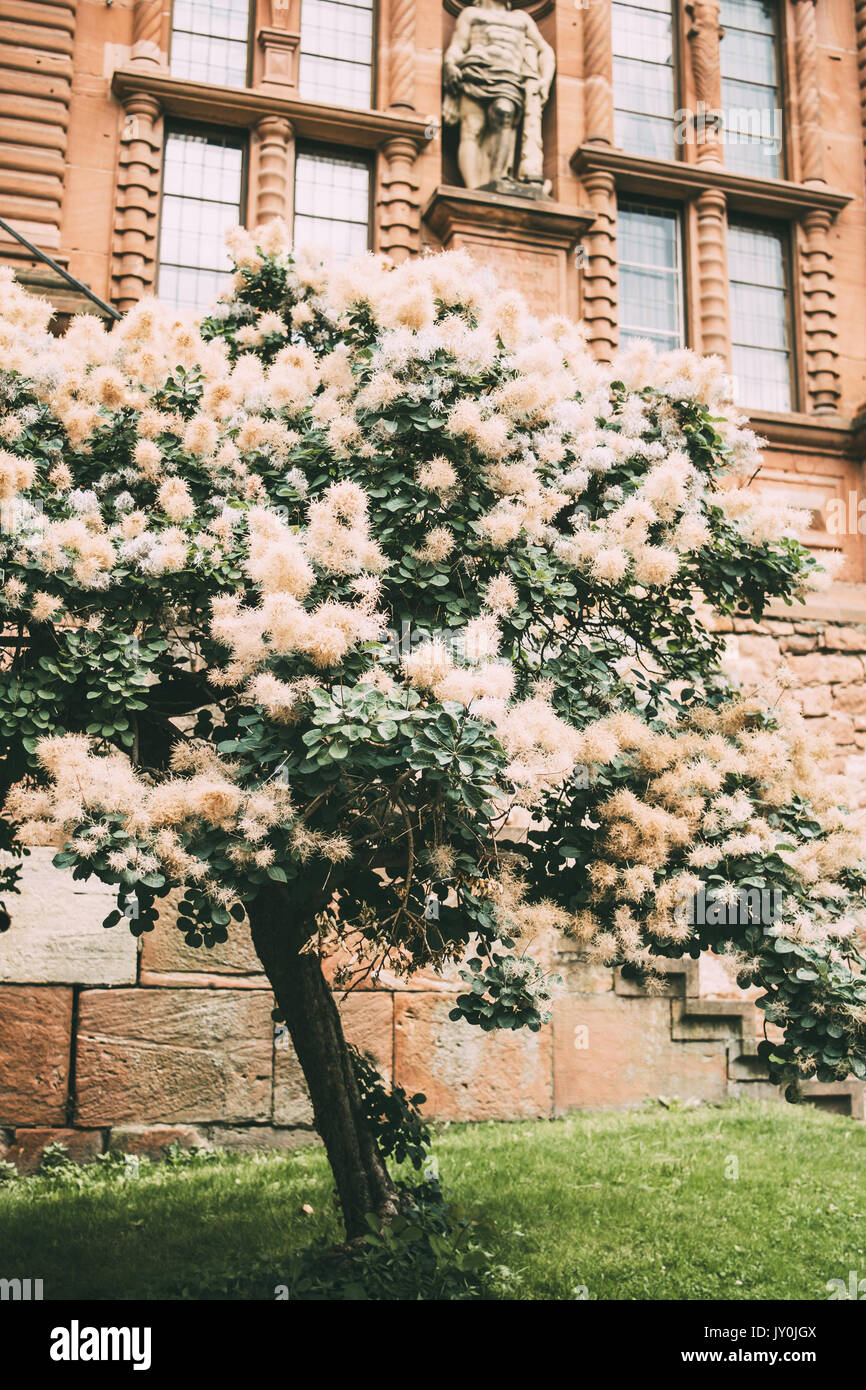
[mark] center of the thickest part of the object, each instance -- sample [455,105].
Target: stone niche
[529,242]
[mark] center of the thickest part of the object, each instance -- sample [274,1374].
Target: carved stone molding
[599,284]
[240,107]
[528,242]
[401,54]
[398,209]
[704,34]
[273,195]
[713,288]
[150,34]
[537,9]
[678,179]
[819,313]
[35,88]
[808,92]
[280,60]
[135,250]
[597,72]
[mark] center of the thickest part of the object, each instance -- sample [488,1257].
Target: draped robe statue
[497,72]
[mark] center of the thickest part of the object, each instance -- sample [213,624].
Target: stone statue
[498,70]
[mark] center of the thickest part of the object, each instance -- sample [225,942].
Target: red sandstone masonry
[35,1042]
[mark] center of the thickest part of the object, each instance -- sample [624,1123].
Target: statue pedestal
[528,241]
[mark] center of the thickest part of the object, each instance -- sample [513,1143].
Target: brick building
[706,188]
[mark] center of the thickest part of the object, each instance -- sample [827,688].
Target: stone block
[173,1055]
[615,1050]
[817,668]
[467,1074]
[35,1045]
[256,1138]
[83,1146]
[817,699]
[845,639]
[850,698]
[57,936]
[152,1141]
[165,950]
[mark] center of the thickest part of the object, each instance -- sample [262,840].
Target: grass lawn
[740,1201]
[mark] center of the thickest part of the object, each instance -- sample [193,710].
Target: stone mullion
[275,173]
[137,212]
[398,209]
[600,269]
[599,279]
[597,72]
[401,55]
[713,280]
[149,34]
[819,312]
[808,92]
[816,258]
[705,47]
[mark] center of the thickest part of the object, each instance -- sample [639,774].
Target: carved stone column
[819,313]
[599,291]
[149,34]
[274,181]
[398,211]
[714,292]
[401,55]
[597,73]
[704,39]
[816,257]
[137,211]
[808,93]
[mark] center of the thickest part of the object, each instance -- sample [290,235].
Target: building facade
[700,182]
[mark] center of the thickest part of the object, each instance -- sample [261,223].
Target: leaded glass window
[650,275]
[209,41]
[750,88]
[336,62]
[202,185]
[760,329]
[643,77]
[332,202]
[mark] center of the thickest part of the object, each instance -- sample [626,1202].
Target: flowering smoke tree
[373,610]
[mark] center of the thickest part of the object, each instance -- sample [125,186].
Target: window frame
[241,139]
[783,92]
[375,66]
[337,151]
[680,213]
[787,233]
[250,42]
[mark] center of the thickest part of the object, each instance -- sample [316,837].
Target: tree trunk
[313,1020]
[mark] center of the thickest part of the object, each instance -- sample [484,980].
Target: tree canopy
[377,588]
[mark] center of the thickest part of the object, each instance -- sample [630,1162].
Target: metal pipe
[70,279]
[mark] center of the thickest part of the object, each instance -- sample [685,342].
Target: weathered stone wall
[105,1040]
